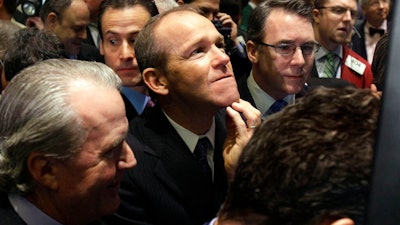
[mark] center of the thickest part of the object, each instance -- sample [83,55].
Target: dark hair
[56,6]
[379,62]
[320,3]
[309,163]
[260,14]
[121,4]
[29,46]
[10,6]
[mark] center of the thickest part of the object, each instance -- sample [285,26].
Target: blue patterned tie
[200,153]
[276,107]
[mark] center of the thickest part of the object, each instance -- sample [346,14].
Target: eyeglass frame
[278,48]
[341,11]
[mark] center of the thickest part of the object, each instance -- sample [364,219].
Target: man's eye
[197,51]
[285,47]
[339,10]
[113,152]
[307,48]
[221,46]
[113,41]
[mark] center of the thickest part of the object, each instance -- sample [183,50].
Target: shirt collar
[383,26]
[320,53]
[137,99]
[263,100]
[28,212]
[191,138]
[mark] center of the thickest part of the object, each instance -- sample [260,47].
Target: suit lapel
[176,167]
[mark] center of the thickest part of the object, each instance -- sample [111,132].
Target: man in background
[371,29]
[333,24]
[120,21]
[68,19]
[92,30]
[281,58]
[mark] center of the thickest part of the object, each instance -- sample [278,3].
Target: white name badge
[355,64]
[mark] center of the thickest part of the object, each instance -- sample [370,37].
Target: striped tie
[329,70]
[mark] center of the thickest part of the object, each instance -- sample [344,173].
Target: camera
[226,32]
[31,7]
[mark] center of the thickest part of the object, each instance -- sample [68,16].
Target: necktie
[150,103]
[329,70]
[276,107]
[200,153]
[373,31]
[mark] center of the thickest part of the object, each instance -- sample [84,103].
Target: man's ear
[343,221]
[252,51]
[156,81]
[51,20]
[316,15]
[42,170]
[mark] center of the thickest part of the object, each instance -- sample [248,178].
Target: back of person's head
[380,59]
[165,5]
[36,116]
[54,6]
[310,164]
[29,46]
[121,4]
[7,30]
[260,14]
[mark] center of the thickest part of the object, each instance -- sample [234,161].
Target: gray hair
[36,116]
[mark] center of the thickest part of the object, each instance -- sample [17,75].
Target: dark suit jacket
[7,214]
[89,40]
[129,109]
[358,42]
[167,185]
[362,81]
[244,90]
[90,53]
[312,83]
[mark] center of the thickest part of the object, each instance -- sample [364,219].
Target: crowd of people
[176,112]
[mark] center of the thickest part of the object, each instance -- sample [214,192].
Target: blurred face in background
[120,28]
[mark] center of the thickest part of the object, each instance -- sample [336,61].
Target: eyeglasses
[340,11]
[287,49]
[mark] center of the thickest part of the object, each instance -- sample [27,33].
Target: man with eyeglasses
[333,23]
[280,47]
[371,28]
